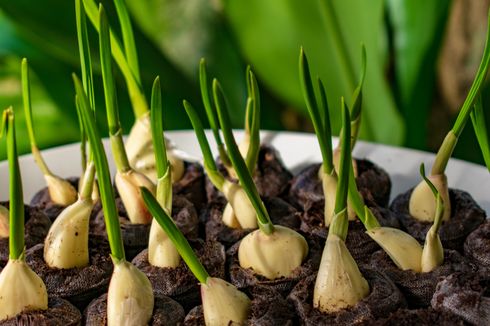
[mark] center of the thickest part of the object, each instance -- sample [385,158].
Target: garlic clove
[339,283]
[329,185]
[422,204]
[403,249]
[128,185]
[433,252]
[242,207]
[223,304]
[4,222]
[21,290]
[60,190]
[66,245]
[130,296]
[229,217]
[161,251]
[275,255]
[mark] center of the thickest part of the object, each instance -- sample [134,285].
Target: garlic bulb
[239,208]
[422,205]
[222,303]
[60,190]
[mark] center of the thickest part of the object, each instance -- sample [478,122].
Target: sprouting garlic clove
[339,283]
[403,249]
[336,161]
[433,252]
[60,190]
[242,207]
[130,296]
[422,204]
[139,148]
[128,185]
[66,245]
[161,250]
[229,218]
[4,222]
[20,290]
[329,185]
[223,304]
[275,255]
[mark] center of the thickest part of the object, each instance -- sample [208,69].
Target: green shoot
[252,121]
[26,96]
[164,171]
[211,112]
[340,222]
[357,101]
[175,236]
[128,38]
[111,215]
[83,137]
[449,143]
[478,120]
[209,165]
[439,202]
[136,94]
[115,130]
[236,158]
[322,131]
[16,209]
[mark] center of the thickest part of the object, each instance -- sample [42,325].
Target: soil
[192,185]
[420,317]
[477,247]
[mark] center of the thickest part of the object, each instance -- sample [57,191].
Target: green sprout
[16,208]
[111,215]
[239,164]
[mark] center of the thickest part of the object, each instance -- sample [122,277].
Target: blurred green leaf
[478,121]
[186,30]
[418,31]
[270,34]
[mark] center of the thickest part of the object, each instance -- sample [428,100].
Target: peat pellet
[267,308]
[477,248]
[271,176]
[166,312]
[466,216]
[43,201]
[59,313]
[466,295]
[36,228]
[79,285]
[179,283]
[384,298]
[418,288]
[419,317]
[192,185]
[307,192]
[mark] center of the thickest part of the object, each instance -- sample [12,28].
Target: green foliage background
[402,37]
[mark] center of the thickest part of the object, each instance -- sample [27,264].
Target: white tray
[297,150]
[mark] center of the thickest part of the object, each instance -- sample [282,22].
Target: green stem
[340,224]
[83,138]
[128,38]
[16,208]
[136,94]
[209,165]
[175,236]
[478,121]
[211,112]
[115,130]
[111,215]
[164,171]
[26,97]
[323,132]
[236,158]
[252,122]
[444,153]
[88,181]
